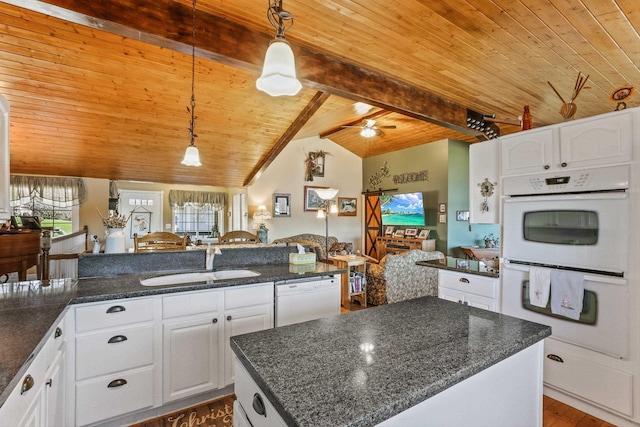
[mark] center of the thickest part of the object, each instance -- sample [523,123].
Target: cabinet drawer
[589,380]
[246,391]
[191,303]
[468,283]
[114,350]
[55,339]
[113,313]
[114,395]
[244,296]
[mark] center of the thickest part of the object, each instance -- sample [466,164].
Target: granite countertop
[462,266]
[361,368]
[28,310]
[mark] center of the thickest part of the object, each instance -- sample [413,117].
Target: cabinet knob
[117,383]
[460,301]
[116,309]
[50,382]
[57,333]
[117,339]
[563,164]
[215,320]
[465,303]
[27,384]
[228,317]
[464,280]
[546,166]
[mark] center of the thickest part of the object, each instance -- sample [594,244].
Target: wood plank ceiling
[99,89]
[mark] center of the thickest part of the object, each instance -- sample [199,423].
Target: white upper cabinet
[484,175]
[596,141]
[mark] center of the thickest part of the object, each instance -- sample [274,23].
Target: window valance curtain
[180,198]
[53,191]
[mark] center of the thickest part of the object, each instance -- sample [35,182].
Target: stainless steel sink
[209,276]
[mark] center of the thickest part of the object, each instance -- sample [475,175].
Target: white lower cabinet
[469,289]
[196,331]
[114,359]
[39,398]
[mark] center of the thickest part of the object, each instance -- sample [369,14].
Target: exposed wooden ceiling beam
[375,115]
[168,23]
[309,110]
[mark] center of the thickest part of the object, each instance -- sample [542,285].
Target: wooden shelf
[353,264]
[389,244]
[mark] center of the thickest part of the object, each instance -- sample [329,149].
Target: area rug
[216,413]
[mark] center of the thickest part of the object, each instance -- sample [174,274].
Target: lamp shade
[191,156]
[279,71]
[261,214]
[326,193]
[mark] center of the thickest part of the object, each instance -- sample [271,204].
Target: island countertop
[28,310]
[361,368]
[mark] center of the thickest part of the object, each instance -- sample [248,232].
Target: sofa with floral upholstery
[314,241]
[397,277]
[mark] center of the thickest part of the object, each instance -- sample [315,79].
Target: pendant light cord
[193,77]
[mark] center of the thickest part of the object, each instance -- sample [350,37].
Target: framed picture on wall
[140,223]
[442,208]
[462,215]
[281,204]
[442,218]
[312,201]
[347,206]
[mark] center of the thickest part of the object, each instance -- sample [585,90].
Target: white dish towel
[567,293]
[539,286]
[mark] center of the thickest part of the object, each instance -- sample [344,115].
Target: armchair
[397,277]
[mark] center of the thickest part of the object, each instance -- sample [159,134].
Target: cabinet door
[450,295]
[55,392]
[597,142]
[243,321]
[527,152]
[480,302]
[192,356]
[484,168]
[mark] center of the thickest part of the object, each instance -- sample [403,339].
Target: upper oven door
[585,231]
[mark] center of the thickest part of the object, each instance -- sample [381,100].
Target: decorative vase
[114,242]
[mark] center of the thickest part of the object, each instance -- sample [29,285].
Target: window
[54,200]
[198,213]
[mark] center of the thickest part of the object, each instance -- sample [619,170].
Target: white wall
[343,170]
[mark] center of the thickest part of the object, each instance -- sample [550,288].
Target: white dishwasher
[311,298]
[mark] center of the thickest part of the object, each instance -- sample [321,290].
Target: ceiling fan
[369,128]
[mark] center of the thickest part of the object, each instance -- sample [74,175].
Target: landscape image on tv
[402,209]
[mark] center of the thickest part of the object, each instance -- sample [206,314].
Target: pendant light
[279,71]
[192,155]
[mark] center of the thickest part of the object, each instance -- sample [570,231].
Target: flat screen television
[403,210]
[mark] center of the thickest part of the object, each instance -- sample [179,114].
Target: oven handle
[605,195]
[601,279]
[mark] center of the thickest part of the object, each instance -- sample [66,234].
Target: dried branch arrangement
[114,221]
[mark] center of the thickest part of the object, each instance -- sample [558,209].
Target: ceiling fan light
[191,156]
[368,132]
[279,71]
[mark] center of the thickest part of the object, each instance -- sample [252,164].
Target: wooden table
[356,267]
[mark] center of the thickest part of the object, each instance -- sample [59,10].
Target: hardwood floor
[555,413]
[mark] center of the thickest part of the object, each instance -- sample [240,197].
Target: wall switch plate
[255,226]
[167,226]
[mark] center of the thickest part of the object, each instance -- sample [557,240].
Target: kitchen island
[386,363]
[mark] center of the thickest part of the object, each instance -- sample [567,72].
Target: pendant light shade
[191,156]
[279,72]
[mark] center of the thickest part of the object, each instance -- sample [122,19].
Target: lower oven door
[606,326]
[572,230]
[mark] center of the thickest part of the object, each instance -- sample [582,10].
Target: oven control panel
[597,179]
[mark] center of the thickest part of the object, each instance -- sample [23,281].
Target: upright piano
[19,251]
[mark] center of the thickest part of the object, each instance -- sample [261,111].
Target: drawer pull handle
[215,320]
[116,339]
[27,384]
[58,333]
[555,358]
[563,164]
[547,166]
[228,317]
[464,280]
[116,309]
[117,383]
[50,382]
[258,405]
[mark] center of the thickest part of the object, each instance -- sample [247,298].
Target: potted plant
[491,241]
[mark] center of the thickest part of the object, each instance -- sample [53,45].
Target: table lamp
[261,215]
